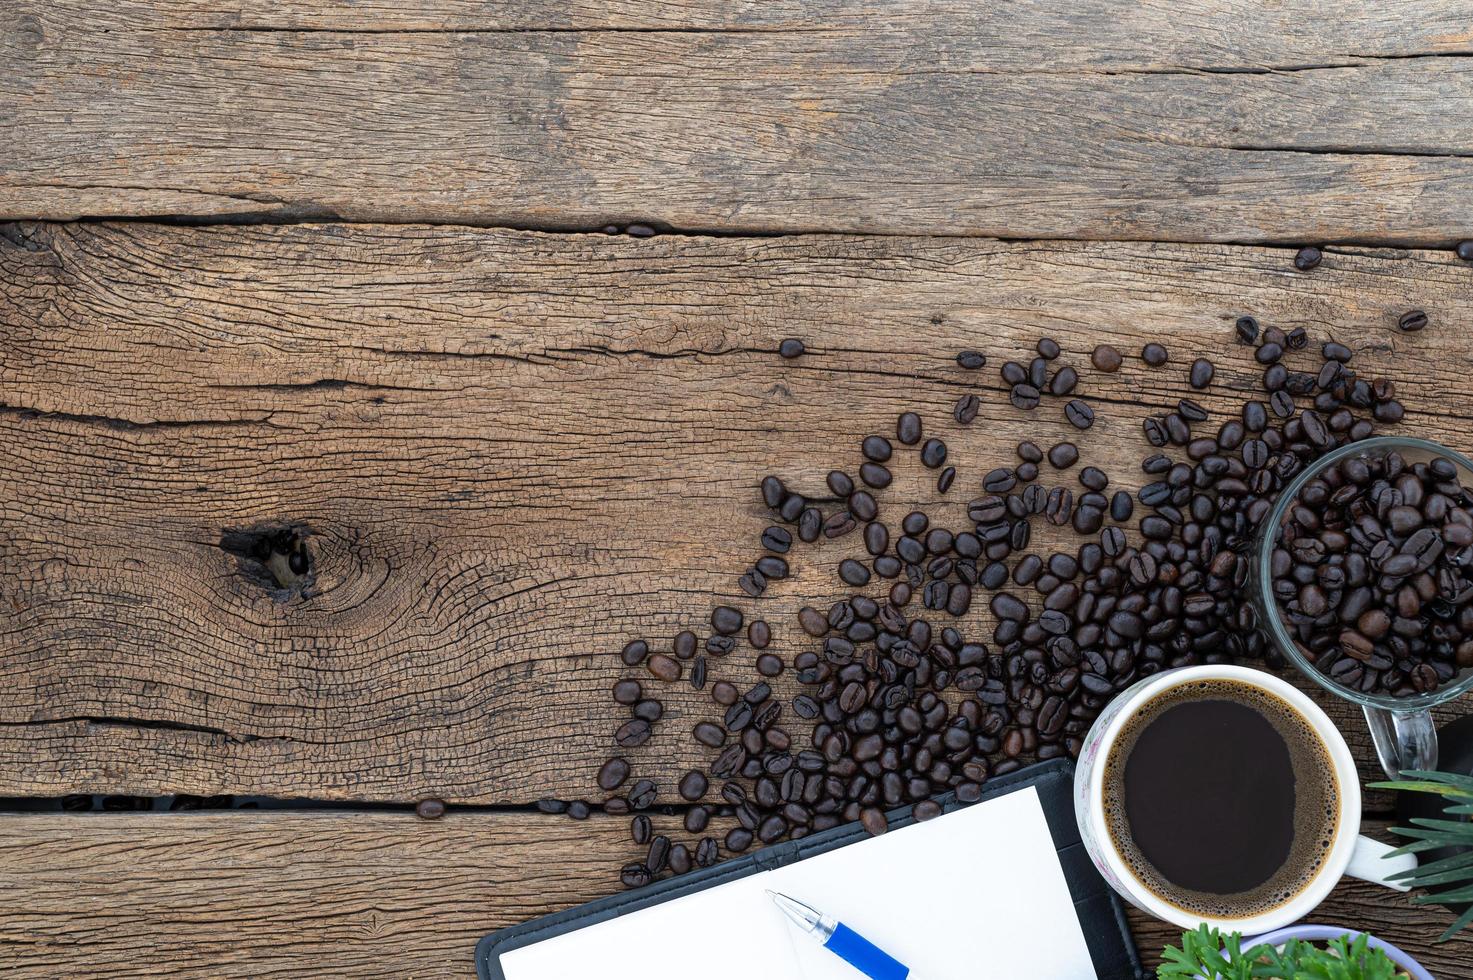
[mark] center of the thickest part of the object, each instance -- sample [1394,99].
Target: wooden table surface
[338,265]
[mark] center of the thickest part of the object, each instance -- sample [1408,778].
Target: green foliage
[1202,956]
[1454,875]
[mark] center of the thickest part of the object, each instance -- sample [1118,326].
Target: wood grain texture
[280,894]
[1193,121]
[517,451]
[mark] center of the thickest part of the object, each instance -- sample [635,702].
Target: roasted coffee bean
[644,794]
[907,430]
[1063,381]
[1080,415]
[1037,372]
[933,453]
[1093,478]
[1013,373]
[874,475]
[1106,358]
[1412,321]
[726,620]
[1247,329]
[790,348]
[1200,375]
[1063,455]
[627,691]
[966,409]
[876,448]
[635,875]
[665,668]
[709,734]
[971,360]
[1307,258]
[633,733]
[1024,396]
[634,652]
[613,774]
[926,810]
[944,481]
[693,786]
[769,665]
[1154,354]
[873,820]
[698,673]
[759,634]
[853,573]
[680,859]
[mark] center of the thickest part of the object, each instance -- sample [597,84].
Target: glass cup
[1401,727]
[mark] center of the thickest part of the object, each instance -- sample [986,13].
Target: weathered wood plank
[1197,122]
[1087,33]
[281,894]
[518,451]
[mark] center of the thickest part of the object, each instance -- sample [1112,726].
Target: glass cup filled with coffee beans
[1364,580]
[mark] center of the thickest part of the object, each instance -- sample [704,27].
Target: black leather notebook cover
[1100,914]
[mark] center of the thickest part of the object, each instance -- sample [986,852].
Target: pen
[844,942]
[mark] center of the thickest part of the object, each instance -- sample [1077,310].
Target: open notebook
[977,893]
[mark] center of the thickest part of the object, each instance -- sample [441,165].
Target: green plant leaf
[1458,926]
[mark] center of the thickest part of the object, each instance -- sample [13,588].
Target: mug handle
[1404,739]
[1369,862]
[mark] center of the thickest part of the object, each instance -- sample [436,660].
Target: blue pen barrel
[864,955]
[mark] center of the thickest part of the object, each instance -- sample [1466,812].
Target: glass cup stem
[1404,739]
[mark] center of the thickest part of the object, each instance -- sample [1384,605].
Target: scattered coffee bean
[1106,358]
[907,431]
[971,360]
[1080,415]
[791,348]
[1307,258]
[634,652]
[1201,373]
[1063,381]
[933,453]
[1154,354]
[1063,455]
[613,774]
[1412,321]
[692,786]
[1024,396]
[665,668]
[1247,329]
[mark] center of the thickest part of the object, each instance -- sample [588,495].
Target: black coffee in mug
[1221,798]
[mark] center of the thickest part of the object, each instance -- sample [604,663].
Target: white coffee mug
[1349,853]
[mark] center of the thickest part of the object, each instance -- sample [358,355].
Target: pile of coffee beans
[895,704]
[1373,573]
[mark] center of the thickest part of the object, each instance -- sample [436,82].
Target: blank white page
[977,893]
